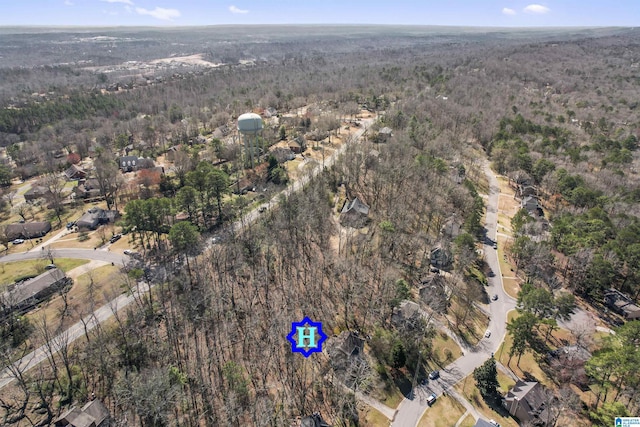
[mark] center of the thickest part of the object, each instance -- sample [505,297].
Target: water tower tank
[249,123]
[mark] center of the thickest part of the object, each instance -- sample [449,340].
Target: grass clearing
[468,389]
[468,421]
[10,271]
[511,287]
[476,323]
[392,397]
[370,417]
[106,282]
[444,413]
[528,365]
[446,349]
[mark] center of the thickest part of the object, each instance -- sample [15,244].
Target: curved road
[99,255]
[76,330]
[411,410]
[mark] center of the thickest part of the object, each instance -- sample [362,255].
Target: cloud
[234,9]
[68,3]
[536,9]
[160,13]
[129,2]
[507,11]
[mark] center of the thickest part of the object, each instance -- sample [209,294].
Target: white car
[494,423]
[17,241]
[487,334]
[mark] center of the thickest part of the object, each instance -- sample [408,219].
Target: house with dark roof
[29,293]
[314,420]
[354,214]
[434,291]
[384,134]
[441,257]
[298,145]
[95,217]
[74,172]
[27,230]
[406,314]
[531,204]
[134,163]
[92,414]
[87,189]
[525,400]
[343,348]
[37,192]
[621,304]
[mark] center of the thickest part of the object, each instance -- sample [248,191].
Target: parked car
[70,225]
[115,238]
[434,375]
[431,399]
[262,209]
[494,297]
[50,267]
[487,334]
[495,245]
[494,423]
[17,241]
[130,252]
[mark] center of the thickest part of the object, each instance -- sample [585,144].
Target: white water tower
[250,126]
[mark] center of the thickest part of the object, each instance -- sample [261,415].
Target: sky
[478,13]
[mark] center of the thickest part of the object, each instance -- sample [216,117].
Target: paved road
[411,410]
[74,332]
[251,216]
[99,255]
[105,312]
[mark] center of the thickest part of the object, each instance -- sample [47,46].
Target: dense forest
[206,346]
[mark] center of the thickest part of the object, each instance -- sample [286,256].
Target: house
[170,155]
[27,294]
[384,134]
[27,230]
[530,203]
[93,414]
[621,304]
[298,145]
[87,189]
[527,190]
[133,163]
[525,400]
[95,217]
[242,186]
[282,154]
[407,314]
[314,420]
[441,258]
[354,214]
[74,172]
[37,192]
[435,292]
[570,353]
[344,348]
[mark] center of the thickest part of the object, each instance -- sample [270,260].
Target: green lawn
[10,271]
[370,417]
[467,388]
[444,413]
[443,345]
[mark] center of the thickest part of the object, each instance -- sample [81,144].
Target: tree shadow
[402,382]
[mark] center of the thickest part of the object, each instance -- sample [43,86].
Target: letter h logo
[309,337]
